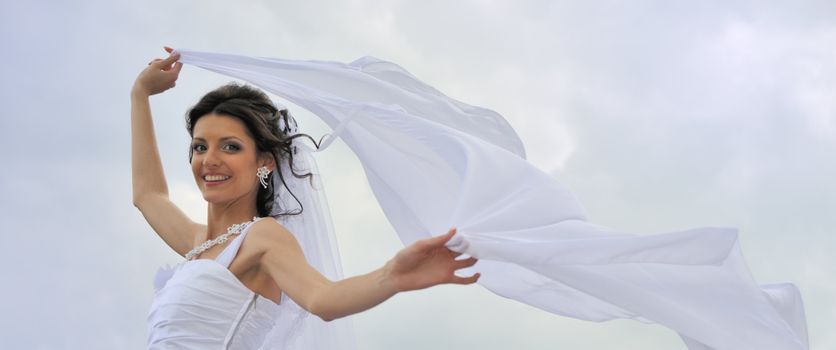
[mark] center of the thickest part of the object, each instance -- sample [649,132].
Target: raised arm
[423,264]
[150,191]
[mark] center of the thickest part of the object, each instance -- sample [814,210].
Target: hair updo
[262,120]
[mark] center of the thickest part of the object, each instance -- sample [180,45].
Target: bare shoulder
[270,235]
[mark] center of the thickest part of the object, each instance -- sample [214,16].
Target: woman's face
[224,161]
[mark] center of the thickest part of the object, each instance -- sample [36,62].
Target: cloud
[659,116]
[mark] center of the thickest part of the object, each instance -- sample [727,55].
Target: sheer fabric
[295,327]
[434,162]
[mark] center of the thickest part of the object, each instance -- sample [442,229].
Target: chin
[219,196]
[210,199]
[214,196]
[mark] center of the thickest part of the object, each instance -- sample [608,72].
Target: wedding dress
[201,304]
[434,162]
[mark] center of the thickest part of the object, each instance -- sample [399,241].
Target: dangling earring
[262,175]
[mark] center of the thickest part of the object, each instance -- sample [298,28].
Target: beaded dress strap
[229,253]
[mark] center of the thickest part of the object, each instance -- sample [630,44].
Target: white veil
[295,327]
[434,162]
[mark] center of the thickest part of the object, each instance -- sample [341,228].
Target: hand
[426,263]
[160,75]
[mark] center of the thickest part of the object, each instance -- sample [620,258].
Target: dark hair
[261,118]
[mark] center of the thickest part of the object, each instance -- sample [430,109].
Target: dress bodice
[201,304]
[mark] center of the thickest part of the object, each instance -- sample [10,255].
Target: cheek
[195,170]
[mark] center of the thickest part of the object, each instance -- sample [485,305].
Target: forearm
[424,263]
[146,167]
[352,295]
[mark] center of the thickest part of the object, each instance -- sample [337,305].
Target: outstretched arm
[423,264]
[150,192]
[148,177]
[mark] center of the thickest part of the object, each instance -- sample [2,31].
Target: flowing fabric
[295,327]
[434,162]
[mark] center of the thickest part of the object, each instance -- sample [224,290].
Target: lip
[214,183]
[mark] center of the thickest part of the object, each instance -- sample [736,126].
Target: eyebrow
[222,138]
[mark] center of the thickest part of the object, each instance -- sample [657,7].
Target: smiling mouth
[215,179]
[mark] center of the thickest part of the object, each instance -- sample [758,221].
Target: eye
[198,147]
[232,147]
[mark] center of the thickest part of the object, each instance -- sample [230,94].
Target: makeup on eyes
[236,145]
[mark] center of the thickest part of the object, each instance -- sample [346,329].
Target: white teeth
[215,177]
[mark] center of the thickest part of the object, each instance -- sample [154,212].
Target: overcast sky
[659,115]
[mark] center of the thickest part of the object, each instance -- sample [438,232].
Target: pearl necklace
[232,230]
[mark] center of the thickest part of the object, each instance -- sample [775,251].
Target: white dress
[201,304]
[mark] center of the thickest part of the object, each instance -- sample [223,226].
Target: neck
[222,216]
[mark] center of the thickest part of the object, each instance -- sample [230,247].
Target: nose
[211,159]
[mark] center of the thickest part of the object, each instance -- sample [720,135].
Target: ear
[266,159]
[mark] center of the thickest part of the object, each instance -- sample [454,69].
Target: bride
[243,263]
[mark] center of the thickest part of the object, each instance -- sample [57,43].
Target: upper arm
[170,223]
[285,262]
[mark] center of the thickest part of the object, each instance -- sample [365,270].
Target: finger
[434,242]
[169,67]
[437,242]
[177,67]
[466,280]
[440,240]
[466,262]
[171,59]
[168,49]
[163,63]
